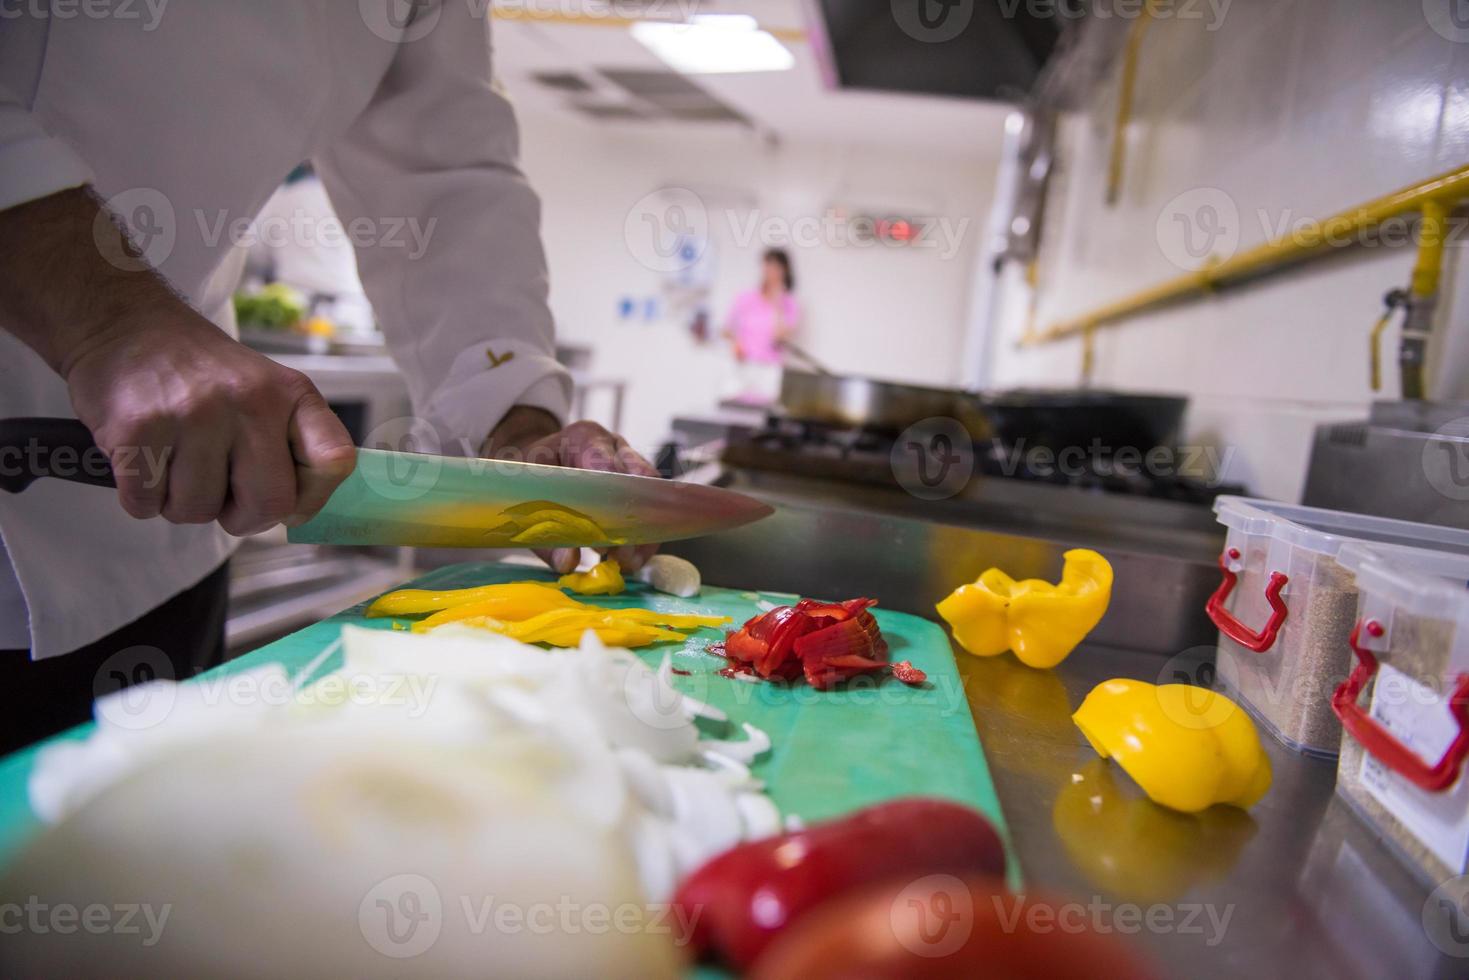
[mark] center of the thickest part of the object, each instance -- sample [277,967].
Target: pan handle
[811,362]
[59,448]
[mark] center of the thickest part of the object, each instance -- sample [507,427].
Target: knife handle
[59,448]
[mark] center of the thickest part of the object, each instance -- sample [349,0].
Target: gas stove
[875,457]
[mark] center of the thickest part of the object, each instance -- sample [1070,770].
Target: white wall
[1291,109]
[892,313]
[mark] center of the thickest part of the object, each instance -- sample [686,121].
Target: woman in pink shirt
[762,320]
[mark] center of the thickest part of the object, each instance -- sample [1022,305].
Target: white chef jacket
[206,107]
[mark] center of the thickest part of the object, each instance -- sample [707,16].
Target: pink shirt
[753,321]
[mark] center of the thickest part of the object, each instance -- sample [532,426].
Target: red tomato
[745,897]
[944,928]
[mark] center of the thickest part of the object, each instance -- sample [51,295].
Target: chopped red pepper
[828,642]
[907,673]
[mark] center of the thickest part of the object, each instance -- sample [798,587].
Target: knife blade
[427,501]
[450,502]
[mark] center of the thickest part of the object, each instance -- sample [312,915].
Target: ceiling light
[715,44]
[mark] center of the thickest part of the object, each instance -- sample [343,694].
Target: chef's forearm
[71,278]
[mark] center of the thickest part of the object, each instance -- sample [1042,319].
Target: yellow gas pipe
[1125,89]
[1442,191]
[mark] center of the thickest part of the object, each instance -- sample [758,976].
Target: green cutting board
[832,752]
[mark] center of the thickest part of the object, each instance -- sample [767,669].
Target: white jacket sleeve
[461,288]
[33,164]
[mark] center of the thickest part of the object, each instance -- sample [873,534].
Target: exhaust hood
[977,49]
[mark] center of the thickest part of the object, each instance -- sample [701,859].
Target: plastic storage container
[1286,607]
[1405,711]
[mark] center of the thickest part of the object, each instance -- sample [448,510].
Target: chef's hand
[200,428]
[531,435]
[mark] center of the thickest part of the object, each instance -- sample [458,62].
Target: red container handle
[1380,743]
[1233,628]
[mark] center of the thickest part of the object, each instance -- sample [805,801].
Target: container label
[1419,718]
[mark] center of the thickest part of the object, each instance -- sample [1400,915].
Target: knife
[427,501]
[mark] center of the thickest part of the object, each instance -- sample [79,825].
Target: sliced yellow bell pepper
[533,597]
[677,621]
[604,578]
[1041,622]
[1187,747]
[565,627]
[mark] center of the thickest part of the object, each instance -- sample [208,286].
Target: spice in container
[1282,659]
[1415,629]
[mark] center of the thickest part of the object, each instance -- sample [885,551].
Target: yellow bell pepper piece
[1187,747]
[1041,622]
[605,578]
[533,597]
[677,621]
[565,627]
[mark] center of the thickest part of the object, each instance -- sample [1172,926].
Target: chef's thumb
[323,452]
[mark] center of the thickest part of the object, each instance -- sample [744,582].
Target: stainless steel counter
[1297,887]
